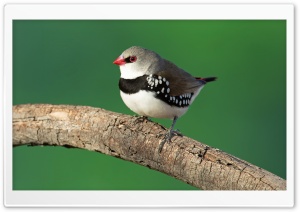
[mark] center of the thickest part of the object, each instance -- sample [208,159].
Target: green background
[70,62]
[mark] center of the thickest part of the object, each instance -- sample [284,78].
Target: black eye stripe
[130,59]
[127,60]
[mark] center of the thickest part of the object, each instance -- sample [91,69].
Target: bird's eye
[132,59]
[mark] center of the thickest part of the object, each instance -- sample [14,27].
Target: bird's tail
[207,79]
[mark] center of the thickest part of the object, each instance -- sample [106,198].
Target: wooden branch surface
[131,139]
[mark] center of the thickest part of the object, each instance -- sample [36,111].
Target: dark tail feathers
[207,79]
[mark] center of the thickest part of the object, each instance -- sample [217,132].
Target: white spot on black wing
[160,87]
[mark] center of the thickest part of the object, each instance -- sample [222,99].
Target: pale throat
[128,72]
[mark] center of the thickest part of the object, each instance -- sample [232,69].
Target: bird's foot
[167,138]
[177,132]
[170,134]
[140,119]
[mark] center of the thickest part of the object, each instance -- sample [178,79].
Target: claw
[178,133]
[141,119]
[167,138]
[169,135]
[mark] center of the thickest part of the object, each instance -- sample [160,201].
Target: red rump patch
[206,79]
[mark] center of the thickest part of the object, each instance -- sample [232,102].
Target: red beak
[119,61]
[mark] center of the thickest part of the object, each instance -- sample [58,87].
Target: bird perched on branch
[155,87]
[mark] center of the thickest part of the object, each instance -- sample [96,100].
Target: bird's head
[137,61]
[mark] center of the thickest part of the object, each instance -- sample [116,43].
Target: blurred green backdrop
[70,62]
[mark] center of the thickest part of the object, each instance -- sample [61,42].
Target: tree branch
[137,141]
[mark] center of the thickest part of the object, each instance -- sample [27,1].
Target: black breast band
[157,85]
[131,86]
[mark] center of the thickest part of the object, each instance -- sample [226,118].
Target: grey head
[142,60]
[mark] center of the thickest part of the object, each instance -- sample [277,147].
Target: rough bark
[138,140]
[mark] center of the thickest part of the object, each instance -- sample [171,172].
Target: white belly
[144,103]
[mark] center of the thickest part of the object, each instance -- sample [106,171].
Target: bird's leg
[170,134]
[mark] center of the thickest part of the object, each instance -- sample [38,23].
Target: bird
[152,86]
